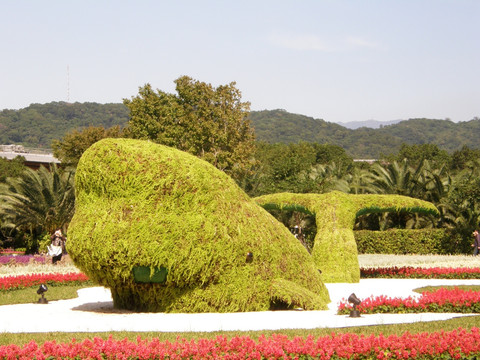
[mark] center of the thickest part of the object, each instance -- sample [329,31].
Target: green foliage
[43,242]
[38,124]
[38,202]
[446,134]
[394,178]
[144,204]
[299,220]
[465,158]
[415,154]
[327,154]
[280,126]
[279,167]
[402,241]
[335,250]
[299,168]
[11,168]
[208,122]
[73,144]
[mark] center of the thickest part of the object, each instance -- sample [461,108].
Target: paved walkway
[93,311]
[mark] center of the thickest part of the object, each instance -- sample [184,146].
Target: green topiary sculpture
[334,250]
[166,231]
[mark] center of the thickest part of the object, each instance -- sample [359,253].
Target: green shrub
[140,204]
[43,243]
[405,241]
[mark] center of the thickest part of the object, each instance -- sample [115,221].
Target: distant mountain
[37,125]
[372,124]
[281,126]
[364,142]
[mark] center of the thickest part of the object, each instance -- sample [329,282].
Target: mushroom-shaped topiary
[166,231]
[334,250]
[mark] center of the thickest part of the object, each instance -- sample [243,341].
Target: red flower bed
[442,300]
[457,344]
[25,281]
[10,251]
[420,273]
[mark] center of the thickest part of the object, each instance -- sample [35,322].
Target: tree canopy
[11,168]
[38,201]
[38,124]
[73,145]
[211,123]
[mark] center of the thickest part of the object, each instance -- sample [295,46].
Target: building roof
[33,157]
[30,157]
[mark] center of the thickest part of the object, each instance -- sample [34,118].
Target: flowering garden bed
[25,281]
[441,300]
[420,273]
[10,251]
[457,344]
[21,259]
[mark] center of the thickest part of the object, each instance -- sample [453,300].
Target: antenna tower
[68,84]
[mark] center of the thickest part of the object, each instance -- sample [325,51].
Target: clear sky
[335,60]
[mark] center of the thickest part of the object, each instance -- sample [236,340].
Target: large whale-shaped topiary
[166,231]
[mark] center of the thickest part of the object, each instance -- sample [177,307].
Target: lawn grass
[29,295]
[434,288]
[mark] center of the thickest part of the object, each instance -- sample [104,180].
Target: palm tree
[321,179]
[399,178]
[462,208]
[38,202]
[395,178]
[359,181]
[435,185]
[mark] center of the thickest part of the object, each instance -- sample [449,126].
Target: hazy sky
[334,60]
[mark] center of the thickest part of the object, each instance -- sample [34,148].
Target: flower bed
[441,300]
[420,273]
[25,281]
[21,259]
[10,251]
[343,346]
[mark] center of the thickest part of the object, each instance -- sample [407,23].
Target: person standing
[476,243]
[55,249]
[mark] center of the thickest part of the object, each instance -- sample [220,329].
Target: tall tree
[211,123]
[394,178]
[73,144]
[11,168]
[282,167]
[465,158]
[324,178]
[418,153]
[328,153]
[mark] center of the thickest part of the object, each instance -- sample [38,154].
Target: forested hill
[38,124]
[282,126]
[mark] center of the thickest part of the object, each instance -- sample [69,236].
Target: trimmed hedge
[335,251]
[406,241]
